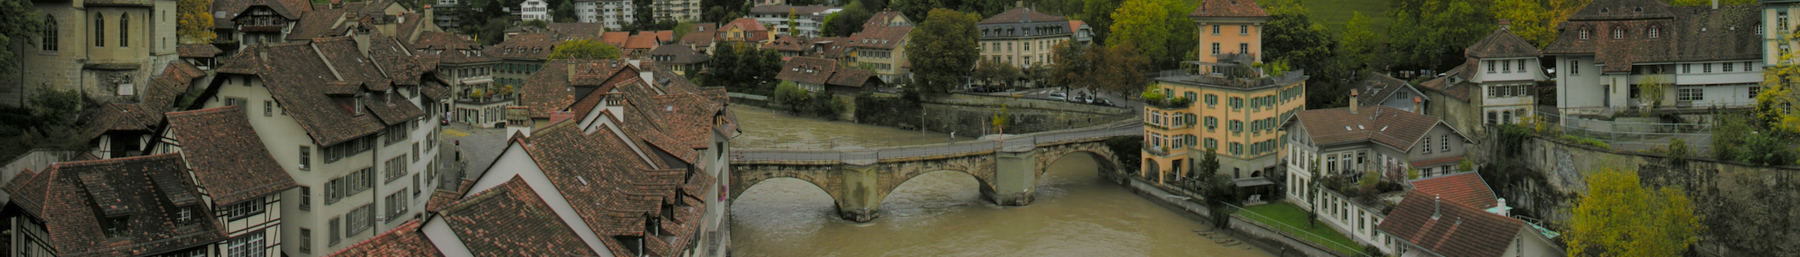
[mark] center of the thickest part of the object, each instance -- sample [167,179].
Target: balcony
[1164,151]
[1235,75]
[1169,104]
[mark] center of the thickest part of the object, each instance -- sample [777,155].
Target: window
[1243,29]
[1575,65]
[48,36]
[332,237]
[1427,145]
[1618,33]
[1211,100]
[1781,19]
[1215,29]
[305,198]
[1243,48]
[305,158]
[1237,103]
[1521,65]
[305,240]
[1654,31]
[1726,68]
[99,30]
[247,245]
[396,204]
[1687,68]
[1444,143]
[1237,148]
[245,209]
[1211,123]
[1706,67]
[1236,126]
[1584,33]
[1215,49]
[1505,67]
[268,108]
[1690,94]
[1490,66]
[416,190]
[360,219]
[348,185]
[1754,91]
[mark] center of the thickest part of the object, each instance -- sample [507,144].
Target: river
[1075,213]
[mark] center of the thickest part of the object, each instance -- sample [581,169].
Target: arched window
[48,39]
[124,29]
[99,29]
[1618,33]
[1654,31]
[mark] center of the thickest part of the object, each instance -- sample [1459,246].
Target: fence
[1636,136]
[1296,233]
[1018,143]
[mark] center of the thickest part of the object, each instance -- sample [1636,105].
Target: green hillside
[1334,13]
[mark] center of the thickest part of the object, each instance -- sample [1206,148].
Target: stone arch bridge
[1007,167]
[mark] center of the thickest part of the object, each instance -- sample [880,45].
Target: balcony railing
[1169,103]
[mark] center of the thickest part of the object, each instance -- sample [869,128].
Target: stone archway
[821,176]
[981,167]
[1104,156]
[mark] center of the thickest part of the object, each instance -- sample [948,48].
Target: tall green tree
[564,11]
[1067,68]
[1620,217]
[942,50]
[1117,70]
[584,49]
[1433,35]
[1359,43]
[1532,20]
[193,24]
[739,66]
[1158,29]
[18,21]
[848,21]
[1292,36]
[1098,14]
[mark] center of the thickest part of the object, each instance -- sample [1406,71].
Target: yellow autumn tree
[1531,20]
[1777,101]
[193,24]
[1620,217]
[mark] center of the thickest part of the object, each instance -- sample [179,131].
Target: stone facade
[87,50]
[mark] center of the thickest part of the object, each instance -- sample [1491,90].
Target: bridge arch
[981,167]
[984,187]
[821,176]
[1097,150]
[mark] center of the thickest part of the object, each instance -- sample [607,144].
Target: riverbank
[1258,235]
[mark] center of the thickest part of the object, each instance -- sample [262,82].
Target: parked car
[1058,96]
[1103,102]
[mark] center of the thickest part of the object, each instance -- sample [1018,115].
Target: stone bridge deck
[1007,167]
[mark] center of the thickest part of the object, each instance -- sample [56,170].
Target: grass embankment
[1294,217]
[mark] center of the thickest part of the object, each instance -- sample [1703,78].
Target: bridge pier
[861,199]
[1015,178]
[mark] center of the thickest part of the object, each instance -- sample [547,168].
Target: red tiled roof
[1229,8]
[1466,188]
[512,220]
[1075,26]
[226,156]
[198,50]
[643,40]
[616,38]
[665,36]
[1449,228]
[147,191]
[405,240]
[807,70]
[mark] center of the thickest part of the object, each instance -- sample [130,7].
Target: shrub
[1766,150]
[1728,133]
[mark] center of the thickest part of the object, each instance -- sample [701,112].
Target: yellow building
[1221,103]
[1022,37]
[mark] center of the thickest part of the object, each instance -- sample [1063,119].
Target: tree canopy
[942,50]
[1433,34]
[18,20]
[742,67]
[1777,102]
[1158,29]
[848,21]
[564,11]
[1533,20]
[193,25]
[1620,217]
[584,49]
[1359,43]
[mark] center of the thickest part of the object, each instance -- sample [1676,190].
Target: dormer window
[1604,10]
[358,108]
[1638,10]
[1584,33]
[1654,31]
[117,227]
[1618,33]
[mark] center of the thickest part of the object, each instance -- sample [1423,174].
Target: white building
[808,19]
[356,130]
[614,14]
[1495,85]
[535,10]
[1711,55]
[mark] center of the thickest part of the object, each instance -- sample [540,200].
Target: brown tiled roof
[1466,188]
[290,9]
[807,70]
[785,9]
[144,190]
[27,191]
[678,55]
[881,37]
[1021,15]
[616,38]
[1459,90]
[881,19]
[1684,34]
[582,29]
[699,38]
[832,47]
[1229,8]
[453,47]
[226,156]
[440,199]
[411,26]
[321,23]
[786,43]
[1449,228]
[198,50]
[601,168]
[294,73]
[1377,124]
[511,220]
[643,40]
[852,78]
[1376,87]
[1623,10]
[552,88]
[755,31]
[116,117]
[405,240]
[1502,43]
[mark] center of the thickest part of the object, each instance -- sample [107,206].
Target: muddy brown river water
[1075,213]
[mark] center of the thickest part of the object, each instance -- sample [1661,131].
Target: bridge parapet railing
[1021,142]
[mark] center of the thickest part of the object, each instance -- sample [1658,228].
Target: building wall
[1246,162]
[887,63]
[267,223]
[1228,38]
[149,43]
[616,14]
[1772,31]
[1579,84]
[1021,52]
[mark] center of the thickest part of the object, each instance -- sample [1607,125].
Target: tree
[942,49]
[193,24]
[1098,14]
[564,12]
[1118,70]
[1158,29]
[1067,67]
[1776,103]
[682,29]
[1208,165]
[18,20]
[1002,119]
[493,32]
[742,67]
[1652,89]
[584,49]
[848,21]
[536,23]
[1620,217]
[1529,19]
[1292,36]
[790,95]
[1433,35]
[793,27]
[1359,41]
[917,9]
[1220,195]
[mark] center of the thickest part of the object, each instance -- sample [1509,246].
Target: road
[476,147]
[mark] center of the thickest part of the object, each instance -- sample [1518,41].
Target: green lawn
[1334,13]
[1287,213]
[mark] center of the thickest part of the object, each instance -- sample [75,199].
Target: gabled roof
[1623,10]
[807,70]
[405,240]
[321,23]
[616,38]
[512,220]
[754,31]
[584,29]
[1450,228]
[665,36]
[885,18]
[290,9]
[1377,87]
[1685,34]
[1021,15]
[678,55]
[1465,188]
[787,43]
[198,50]
[785,9]
[456,49]
[147,191]
[226,156]
[294,73]
[552,88]
[1458,90]
[1377,124]
[852,78]
[1501,43]
[643,40]
[601,168]
[701,35]
[880,37]
[1229,8]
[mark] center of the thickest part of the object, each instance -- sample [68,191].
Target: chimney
[1437,202]
[1418,105]
[1502,207]
[1505,24]
[1715,4]
[1353,103]
[1021,4]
